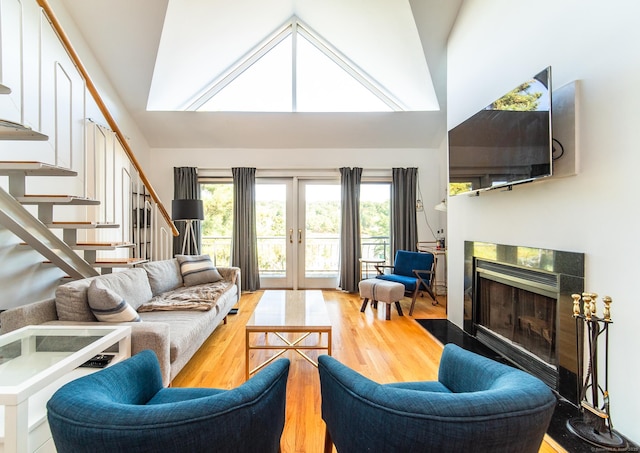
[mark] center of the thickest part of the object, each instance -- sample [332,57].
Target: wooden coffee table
[285,312]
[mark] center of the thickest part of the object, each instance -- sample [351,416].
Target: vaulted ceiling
[158,54]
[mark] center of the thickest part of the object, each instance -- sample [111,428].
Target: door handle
[299,236]
[291,236]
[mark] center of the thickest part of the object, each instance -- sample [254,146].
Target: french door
[298,232]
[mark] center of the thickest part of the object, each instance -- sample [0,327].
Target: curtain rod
[274,172]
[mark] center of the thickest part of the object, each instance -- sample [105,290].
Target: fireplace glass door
[522,317]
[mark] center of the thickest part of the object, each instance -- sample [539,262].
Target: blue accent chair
[477,405]
[415,270]
[124,408]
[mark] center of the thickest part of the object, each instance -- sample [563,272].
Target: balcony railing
[322,253]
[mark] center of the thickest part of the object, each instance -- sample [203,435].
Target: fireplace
[518,303]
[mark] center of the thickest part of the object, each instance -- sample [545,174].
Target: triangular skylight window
[265,86]
[295,71]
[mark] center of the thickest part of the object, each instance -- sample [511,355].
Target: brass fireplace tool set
[594,425]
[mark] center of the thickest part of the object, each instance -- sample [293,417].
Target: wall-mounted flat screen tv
[508,142]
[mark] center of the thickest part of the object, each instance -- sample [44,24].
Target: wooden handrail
[44,4]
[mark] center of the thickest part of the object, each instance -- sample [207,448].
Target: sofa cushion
[71,298]
[108,306]
[189,328]
[163,275]
[197,269]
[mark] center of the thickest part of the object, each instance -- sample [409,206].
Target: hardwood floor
[385,351]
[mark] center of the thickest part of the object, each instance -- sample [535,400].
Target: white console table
[35,361]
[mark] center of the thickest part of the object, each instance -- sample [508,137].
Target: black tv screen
[508,142]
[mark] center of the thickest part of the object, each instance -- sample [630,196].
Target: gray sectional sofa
[175,319]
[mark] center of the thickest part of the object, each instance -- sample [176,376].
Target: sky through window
[318,82]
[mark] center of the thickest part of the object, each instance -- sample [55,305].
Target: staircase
[36,232]
[32,93]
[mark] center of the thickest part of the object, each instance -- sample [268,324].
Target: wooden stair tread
[81,225]
[113,262]
[101,245]
[10,130]
[113,244]
[57,199]
[119,262]
[33,168]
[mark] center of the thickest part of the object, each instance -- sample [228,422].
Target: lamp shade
[187,210]
[442,206]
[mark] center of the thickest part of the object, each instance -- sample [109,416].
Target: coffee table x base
[288,345]
[302,313]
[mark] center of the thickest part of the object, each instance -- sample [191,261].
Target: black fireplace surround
[517,301]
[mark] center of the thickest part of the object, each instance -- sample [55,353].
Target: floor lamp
[188,211]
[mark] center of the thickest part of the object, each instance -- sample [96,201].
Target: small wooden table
[282,312]
[366,264]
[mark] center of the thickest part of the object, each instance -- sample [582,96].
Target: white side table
[35,361]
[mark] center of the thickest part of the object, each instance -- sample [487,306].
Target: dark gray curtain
[350,229]
[244,248]
[186,187]
[404,226]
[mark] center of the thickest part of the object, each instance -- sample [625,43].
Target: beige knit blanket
[200,298]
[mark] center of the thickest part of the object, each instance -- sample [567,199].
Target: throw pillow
[108,306]
[197,269]
[163,275]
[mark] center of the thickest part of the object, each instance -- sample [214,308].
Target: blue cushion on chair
[406,262]
[404,265]
[408,282]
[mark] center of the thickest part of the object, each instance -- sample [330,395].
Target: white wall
[109,95]
[496,44]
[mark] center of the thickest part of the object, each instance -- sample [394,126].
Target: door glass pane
[217,226]
[375,220]
[322,230]
[271,228]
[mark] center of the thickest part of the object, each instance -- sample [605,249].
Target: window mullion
[294,66]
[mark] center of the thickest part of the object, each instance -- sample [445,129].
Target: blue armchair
[125,408]
[415,270]
[476,405]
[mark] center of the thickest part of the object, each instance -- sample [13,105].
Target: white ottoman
[381,291]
